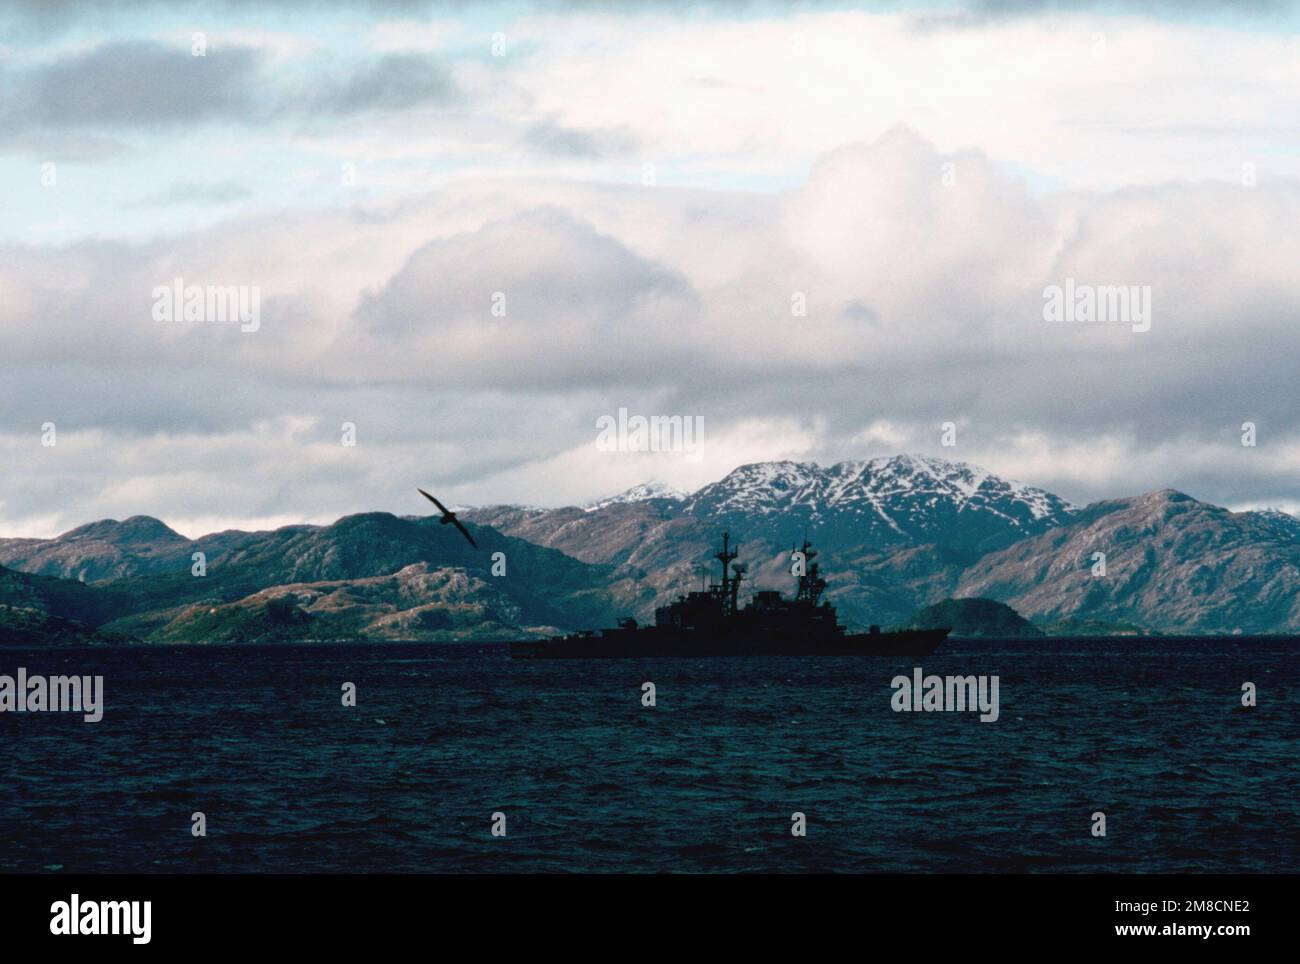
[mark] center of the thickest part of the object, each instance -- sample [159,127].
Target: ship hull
[652,642]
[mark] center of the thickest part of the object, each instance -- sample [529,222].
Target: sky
[822,231]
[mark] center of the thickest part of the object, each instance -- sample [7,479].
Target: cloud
[63,146]
[428,36]
[144,85]
[857,283]
[552,138]
[131,83]
[537,299]
[198,192]
[50,17]
[395,81]
[923,298]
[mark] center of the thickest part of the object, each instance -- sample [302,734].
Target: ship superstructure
[711,622]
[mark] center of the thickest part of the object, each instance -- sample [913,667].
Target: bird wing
[441,508]
[463,531]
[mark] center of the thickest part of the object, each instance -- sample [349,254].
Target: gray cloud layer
[474,330]
[140,85]
[131,83]
[924,305]
[394,82]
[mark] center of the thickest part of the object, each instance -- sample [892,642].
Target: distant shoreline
[1026,642]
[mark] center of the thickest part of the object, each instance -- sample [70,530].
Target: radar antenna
[811,584]
[738,570]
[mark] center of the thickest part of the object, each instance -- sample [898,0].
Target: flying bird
[449,517]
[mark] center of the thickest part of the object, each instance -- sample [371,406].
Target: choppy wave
[590,780]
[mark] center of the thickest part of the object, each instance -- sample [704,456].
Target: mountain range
[895,534]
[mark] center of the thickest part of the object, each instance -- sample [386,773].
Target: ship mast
[811,584]
[725,556]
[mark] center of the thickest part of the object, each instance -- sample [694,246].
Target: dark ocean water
[1149,731]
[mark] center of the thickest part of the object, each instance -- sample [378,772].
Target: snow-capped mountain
[904,499]
[1282,523]
[895,533]
[653,489]
[903,532]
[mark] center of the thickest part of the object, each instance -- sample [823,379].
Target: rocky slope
[537,586]
[32,627]
[416,603]
[45,609]
[62,598]
[1173,564]
[110,549]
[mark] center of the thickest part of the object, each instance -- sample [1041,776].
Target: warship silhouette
[711,622]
